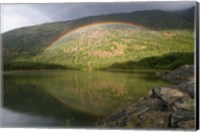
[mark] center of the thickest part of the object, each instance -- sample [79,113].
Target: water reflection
[77,97]
[15,119]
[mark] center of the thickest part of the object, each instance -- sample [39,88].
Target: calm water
[70,98]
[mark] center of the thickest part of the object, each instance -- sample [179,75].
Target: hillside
[124,41]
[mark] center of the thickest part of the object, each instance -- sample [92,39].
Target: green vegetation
[168,62]
[166,41]
[31,65]
[99,47]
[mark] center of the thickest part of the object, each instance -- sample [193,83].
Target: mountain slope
[27,45]
[102,45]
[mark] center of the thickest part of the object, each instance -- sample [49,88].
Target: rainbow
[89,25]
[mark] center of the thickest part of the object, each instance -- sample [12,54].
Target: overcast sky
[20,15]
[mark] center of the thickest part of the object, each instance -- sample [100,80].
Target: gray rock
[180,116]
[169,95]
[184,104]
[187,87]
[187,124]
[143,106]
[150,103]
[155,119]
[183,74]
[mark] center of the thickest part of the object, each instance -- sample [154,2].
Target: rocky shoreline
[164,107]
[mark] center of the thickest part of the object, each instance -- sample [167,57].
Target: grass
[113,46]
[87,51]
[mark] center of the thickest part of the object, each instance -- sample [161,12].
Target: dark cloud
[68,11]
[19,15]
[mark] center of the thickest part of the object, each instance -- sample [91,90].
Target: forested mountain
[122,39]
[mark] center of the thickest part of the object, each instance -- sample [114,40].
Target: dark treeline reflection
[78,98]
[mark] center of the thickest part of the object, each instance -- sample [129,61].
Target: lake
[66,98]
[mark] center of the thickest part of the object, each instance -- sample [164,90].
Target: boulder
[187,124]
[169,95]
[184,104]
[180,116]
[155,119]
[187,87]
[143,106]
[183,74]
